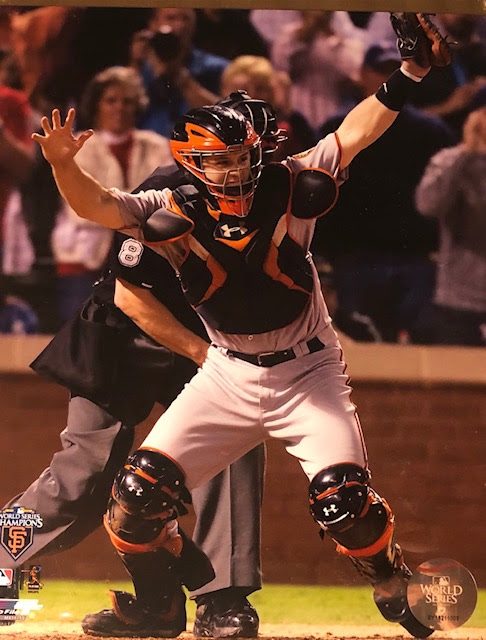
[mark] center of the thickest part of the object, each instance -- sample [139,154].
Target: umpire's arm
[152,317]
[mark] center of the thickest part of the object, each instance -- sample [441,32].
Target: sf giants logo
[16,539]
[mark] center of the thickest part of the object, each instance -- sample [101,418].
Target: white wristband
[412,76]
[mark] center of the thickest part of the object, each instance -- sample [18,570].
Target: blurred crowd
[402,256]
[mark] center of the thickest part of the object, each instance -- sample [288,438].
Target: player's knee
[148,493]
[348,509]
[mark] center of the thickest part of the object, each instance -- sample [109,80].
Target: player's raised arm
[81,191]
[421,46]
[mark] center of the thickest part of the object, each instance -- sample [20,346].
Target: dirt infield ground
[71,631]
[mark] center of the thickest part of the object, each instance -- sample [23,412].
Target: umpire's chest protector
[260,282]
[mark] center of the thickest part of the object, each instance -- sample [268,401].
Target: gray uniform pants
[72,494]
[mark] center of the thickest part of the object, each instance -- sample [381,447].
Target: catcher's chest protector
[258,282]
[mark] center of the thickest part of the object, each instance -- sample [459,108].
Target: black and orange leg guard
[362,525]
[148,495]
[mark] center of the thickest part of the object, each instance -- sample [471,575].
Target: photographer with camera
[177,76]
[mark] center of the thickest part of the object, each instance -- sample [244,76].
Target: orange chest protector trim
[257,283]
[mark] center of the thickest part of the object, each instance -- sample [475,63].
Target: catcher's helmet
[220,147]
[262,118]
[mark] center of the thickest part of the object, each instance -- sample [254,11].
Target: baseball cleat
[391,599]
[225,615]
[128,619]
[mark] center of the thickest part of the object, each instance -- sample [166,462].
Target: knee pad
[148,493]
[349,510]
[149,484]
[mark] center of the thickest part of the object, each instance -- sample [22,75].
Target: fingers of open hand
[56,119]
[46,125]
[58,133]
[70,117]
[81,139]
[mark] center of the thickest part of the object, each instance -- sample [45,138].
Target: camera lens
[165,44]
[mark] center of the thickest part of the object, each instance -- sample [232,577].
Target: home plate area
[69,630]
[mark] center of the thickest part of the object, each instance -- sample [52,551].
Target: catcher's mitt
[419,39]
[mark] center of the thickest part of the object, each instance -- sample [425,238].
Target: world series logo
[442,594]
[17,526]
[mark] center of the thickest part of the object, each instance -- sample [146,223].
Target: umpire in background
[116,372]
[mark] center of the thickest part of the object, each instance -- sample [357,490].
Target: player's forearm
[158,322]
[369,120]
[362,126]
[86,196]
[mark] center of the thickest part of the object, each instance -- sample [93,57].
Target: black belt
[271,358]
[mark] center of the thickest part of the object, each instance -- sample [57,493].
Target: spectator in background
[138,49]
[205,67]
[16,158]
[41,41]
[300,134]
[453,189]
[59,49]
[270,22]
[323,66]
[119,155]
[257,76]
[228,33]
[9,68]
[40,202]
[30,207]
[375,239]
[371,26]
[171,88]
[253,74]
[179,74]
[449,92]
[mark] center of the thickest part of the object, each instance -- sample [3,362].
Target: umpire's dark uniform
[115,374]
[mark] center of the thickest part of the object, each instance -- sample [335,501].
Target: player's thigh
[213,421]
[320,425]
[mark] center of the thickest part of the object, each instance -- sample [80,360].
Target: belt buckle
[262,355]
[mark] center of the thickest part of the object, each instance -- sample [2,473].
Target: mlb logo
[443,581]
[6,577]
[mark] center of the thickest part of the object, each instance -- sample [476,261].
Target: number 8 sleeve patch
[130,252]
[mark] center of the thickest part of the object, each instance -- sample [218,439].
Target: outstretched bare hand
[59,143]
